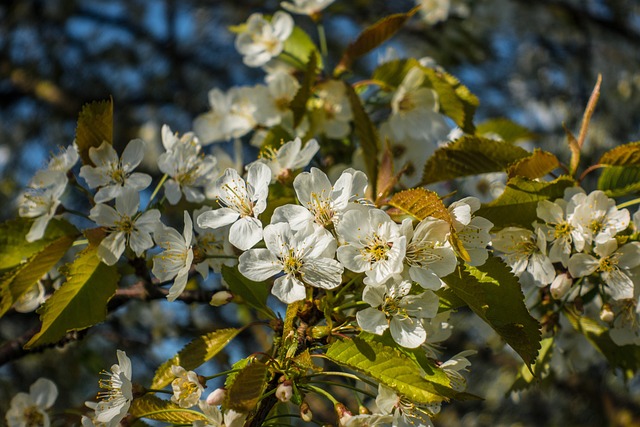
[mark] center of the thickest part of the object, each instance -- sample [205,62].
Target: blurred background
[535,62]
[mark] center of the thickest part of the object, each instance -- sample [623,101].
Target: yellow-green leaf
[537,165]
[455,99]
[494,294]
[152,407]
[470,155]
[95,125]
[244,393]
[506,129]
[622,155]
[393,72]
[194,354]
[621,176]
[298,48]
[372,37]
[390,367]
[16,282]
[299,102]
[81,301]
[249,292]
[525,377]
[517,205]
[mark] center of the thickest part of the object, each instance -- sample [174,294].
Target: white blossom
[613,263]
[393,308]
[125,226]
[186,387]
[429,256]
[175,260]
[598,218]
[473,231]
[41,204]
[405,413]
[112,174]
[289,157]
[187,168]
[373,245]
[322,203]
[305,257]
[241,202]
[559,228]
[331,109]
[263,40]
[215,418]
[30,409]
[118,392]
[526,253]
[30,299]
[454,366]
[214,242]
[306,7]
[57,168]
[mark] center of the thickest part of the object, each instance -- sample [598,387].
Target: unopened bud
[363,410]
[606,314]
[221,298]
[305,412]
[561,285]
[284,391]
[216,397]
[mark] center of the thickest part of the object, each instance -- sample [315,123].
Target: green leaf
[16,282]
[517,205]
[392,368]
[372,37]
[95,125]
[194,354]
[14,249]
[455,99]
[622,155]
[275,137]
[393,72]
[617,181]
[626,357]
[298,48]
[537,165]
[366,133]
[152,407]
[244,393]
[81,301]
[525,378]
[507,130]
[449,300]
[494,294]
[470,155]
[299,102]
[252,293]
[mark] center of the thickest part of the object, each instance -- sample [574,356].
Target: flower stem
[219,374]
[322,392]
[155,192]
[629,203]
[338,384]
[323,40]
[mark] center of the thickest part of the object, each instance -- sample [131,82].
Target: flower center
[292,263]
[237,200]
[421,254]
[596,226]
[608,264]
[320,206]
[563,230]
[187,388]
[118,175]
[33,417]
[377,249]
[125,224]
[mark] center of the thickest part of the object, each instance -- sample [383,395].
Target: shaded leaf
[525,378]
[386,177]
[252,293]
[494,294]
[95,125]
[617,181]
[194,354]
[517,205]
[248,385]
[537,165]
[393,72]
[81,301]
[455,99]
[392,368]
[622,155]
[299,102]
[366,133]
[506,129]
[626,357]
[372,37]
[162,410]
[16,282]
[470,155]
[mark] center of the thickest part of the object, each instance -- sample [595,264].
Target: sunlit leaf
[517,205]
[392,73]
[298,48]
[622,155]
[455,99]
[372,37]
[81,301]
[525,378]
[95,125]
[248,385]
[152,407]
[494,294]
[470,155]
[621,176]
[537,165]
[247,291]
[392,368]
[194,354]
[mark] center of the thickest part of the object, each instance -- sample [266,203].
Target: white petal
[111,248]
[259,264]
[322,273]
[288,289]
[217,218]
[43,392]
[407,332]
[582,265]
[245,233]
[372,320]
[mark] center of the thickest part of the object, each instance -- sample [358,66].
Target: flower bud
[606,314]
[216,397]
[343,414]
[561,285]
[284,391]
[305,412]
[221,298]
